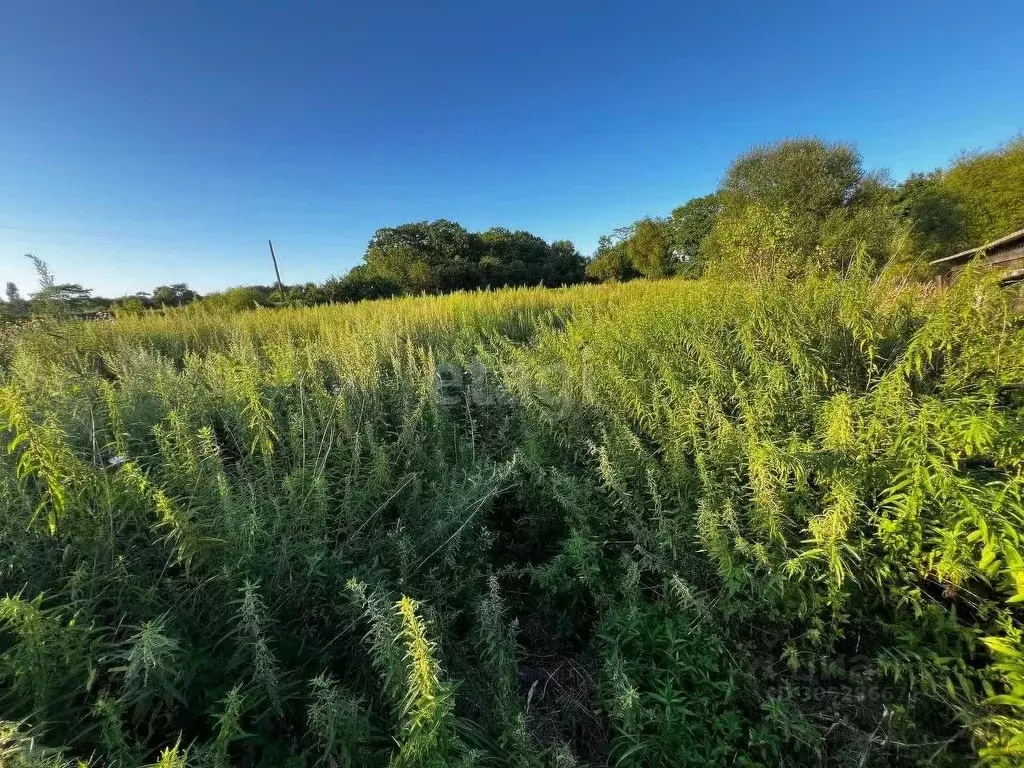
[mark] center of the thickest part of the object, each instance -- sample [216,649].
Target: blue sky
[150,142]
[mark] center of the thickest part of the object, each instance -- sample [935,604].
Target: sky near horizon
[143,143]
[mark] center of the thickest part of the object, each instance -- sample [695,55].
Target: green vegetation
[663,523]
[770,516]
[804,202]
[784,206]
[987,187]
[425,257]
[442,256]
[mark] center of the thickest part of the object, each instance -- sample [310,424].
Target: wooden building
[1005,254]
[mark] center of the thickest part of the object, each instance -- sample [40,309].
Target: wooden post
[280,288]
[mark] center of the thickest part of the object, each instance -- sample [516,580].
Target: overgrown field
[658,524]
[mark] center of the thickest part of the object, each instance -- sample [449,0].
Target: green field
[672,523]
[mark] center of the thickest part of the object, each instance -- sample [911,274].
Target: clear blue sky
[145,142]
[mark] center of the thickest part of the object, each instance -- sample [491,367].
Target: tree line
[784,206]
[422,257]
[802,202]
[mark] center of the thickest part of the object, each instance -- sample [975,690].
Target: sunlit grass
[628,523]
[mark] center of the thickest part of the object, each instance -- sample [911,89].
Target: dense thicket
[802,203]
[988,188]
[672,523]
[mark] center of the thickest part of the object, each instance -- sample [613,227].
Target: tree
[43,273]
[513,258]
[990,188]
[174,295]
[936,214]
[565,265]
[649,249]
[163,295]
[833,210]
[15,306]
[66,293]
[689,227]
[55,298]
[442,256]
[809,177]
[411,254]
[611,261]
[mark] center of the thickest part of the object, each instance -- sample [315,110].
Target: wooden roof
[1010,239]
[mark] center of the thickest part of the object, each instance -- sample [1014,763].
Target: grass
[656,524]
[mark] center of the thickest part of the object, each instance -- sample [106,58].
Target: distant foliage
[989,187]
[689,227]
[650,249]
[808,176]
[782,208]
[936,214]
[611,261]
[360,285]
[424,257]
[833,209]
[803,203]
[173,295]
[442,256]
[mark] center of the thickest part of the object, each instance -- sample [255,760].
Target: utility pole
[280,288]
